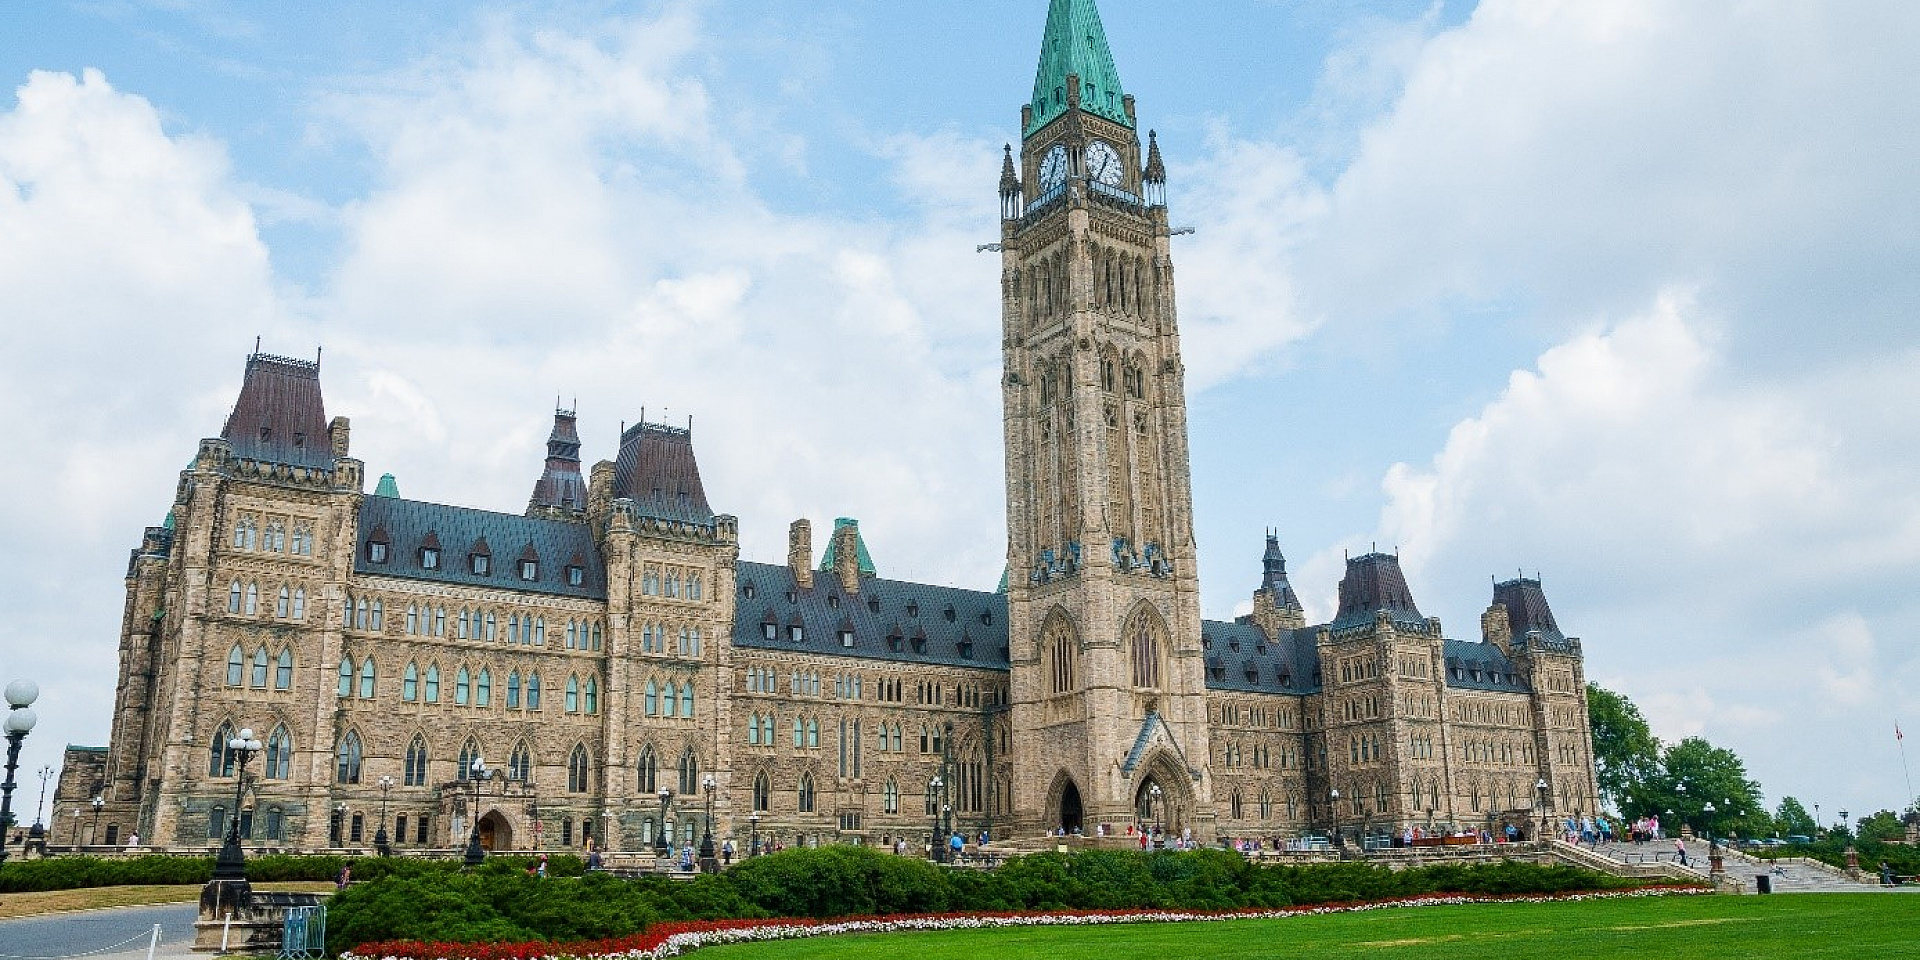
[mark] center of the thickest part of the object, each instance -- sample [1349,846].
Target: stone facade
[609,644]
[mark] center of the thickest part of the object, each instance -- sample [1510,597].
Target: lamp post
[606,836]
[708,862]
[753,825]
[660,845]
[1842,825]
[380,835]
[939,845]
[476,772]
[232,862]
[1333,816]
[20,721]
[1540,795]
[37,836]
[74,840]
[339,838]
[98,803]
[1707,815]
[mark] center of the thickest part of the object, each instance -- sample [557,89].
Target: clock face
[1053,168]
[1103,163]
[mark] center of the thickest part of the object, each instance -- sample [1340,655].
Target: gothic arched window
[1062,650]
[513,690]
[689,773]
[279,754]
[520,764]
[805,795]
[483,689]
[577,770]
[1143,654]
[367,675]
[416,769]
[220,757]
[433,683]
[649,770]
[533,691]
[236,666]
[347,757]
[762,792]
[469,752]
[283,670]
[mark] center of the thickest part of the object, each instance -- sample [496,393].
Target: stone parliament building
[608,642]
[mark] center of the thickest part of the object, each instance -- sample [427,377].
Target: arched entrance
[495,832]
[1070,808]
[1150,805]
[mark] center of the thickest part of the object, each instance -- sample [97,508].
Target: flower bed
[675,938]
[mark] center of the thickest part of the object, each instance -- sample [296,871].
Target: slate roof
[1475,665]
[504,536]
[1075,42]
[279,416]
[890,619]
[1372,583]
[1240,657]
[656,469]
[1527,610]
[1273,576]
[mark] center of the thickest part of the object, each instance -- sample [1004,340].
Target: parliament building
[607,643]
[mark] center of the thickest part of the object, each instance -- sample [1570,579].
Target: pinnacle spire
[1075,45]
[1156,171]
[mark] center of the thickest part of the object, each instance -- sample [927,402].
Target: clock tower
[1108,683]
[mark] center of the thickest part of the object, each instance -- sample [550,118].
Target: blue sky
[1617,293]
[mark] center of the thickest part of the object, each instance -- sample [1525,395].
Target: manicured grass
[131,895]
[1695,927]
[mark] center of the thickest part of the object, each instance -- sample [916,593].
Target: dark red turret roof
[656,469]
[1527,610]
[1374,582]
[279,416]
[561,485]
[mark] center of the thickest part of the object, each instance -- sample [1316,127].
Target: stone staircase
[1789,875]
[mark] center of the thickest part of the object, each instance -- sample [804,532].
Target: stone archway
[1163,795]
[495,832]
[1064,806]
[1070,813]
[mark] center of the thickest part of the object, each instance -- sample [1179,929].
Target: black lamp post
[380,835]
[232,862]
[708,862]
[939,845]
[37,836]
[1333,809]
[98,803]
[753,824]
[476,772]
[1540,800]
[661,842]
[20,721]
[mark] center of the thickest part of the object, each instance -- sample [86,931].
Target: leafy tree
[1694,773]
[1794,820]
[1883,827]
[1624,748]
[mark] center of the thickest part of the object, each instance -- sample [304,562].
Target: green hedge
[69,873]
[501,903]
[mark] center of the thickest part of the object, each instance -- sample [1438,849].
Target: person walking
[1680,851]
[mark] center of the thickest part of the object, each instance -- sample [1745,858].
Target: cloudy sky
[1620,293]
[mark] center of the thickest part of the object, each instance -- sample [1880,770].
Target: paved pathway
[69,934]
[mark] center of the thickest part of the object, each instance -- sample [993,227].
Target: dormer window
[873,604]
[833,601]
[966,649]
[376,552]
[986,618]
[529,570]
[429,558]
[770,630]
[797,633]
[480,564]
[299,441]
[746,589]
[576,575]
[913,608]
[846,638]
[948,613]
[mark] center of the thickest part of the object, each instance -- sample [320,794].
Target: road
[67,934]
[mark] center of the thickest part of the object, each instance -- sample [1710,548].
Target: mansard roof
[279,416]
[890,619]
[1527,610]
[1472,665]
[413,524]
[1242,658]
[656,469]
[1374,583]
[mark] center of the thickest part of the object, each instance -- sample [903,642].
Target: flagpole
[1901,739]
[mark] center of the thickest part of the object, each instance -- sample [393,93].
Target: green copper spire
[860,549]
[387,487]
[1076,44]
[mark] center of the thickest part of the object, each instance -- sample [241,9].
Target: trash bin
[1763,883]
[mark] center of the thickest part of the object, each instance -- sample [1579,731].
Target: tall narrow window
[460,685]
[513,690]
[233,597]
[689,773]
[345,687]
[416,769]
[762,792]
[366,678]
[433,683]
[283,670]
[299,603]
[236,666]
[468,753]
[520,764]
[483,689]
[805,796]
[253,600]
[686,699]
[220,756]
[577,770]
[279,754]
[592,696]
[410,683]
[347,766]
[533,691]
[652,700]
[283,603]
[257,678]
[573,694]
[649,769]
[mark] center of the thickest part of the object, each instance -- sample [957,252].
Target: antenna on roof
[316,355]
[256,343]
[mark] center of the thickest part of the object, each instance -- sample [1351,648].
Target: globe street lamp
[939,845]
[1842,825]
[753,824]
[1707,814]
[1153,806]
[660,839]
[708,863]
[380,835]
[20,721]
[1333,816]
[1540,793]
[98,803]
[606,838]
[476,772]
[38,835]
[232,862]
[74,840]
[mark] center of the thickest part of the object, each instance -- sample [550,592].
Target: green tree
[1883,827]
[1793,819]
[1693,774]
[1625,750]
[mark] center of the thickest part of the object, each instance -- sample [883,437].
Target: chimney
[338,433]
[800,553]
[846,556]
[1496,629]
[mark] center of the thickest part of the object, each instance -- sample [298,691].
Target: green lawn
[1785,927]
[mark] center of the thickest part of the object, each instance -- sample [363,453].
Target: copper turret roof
[656,469]
[279,416]
[560,484]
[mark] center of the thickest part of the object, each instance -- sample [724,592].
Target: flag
[1897,735]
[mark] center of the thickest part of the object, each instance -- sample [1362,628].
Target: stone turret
[800,553]
[845,555]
